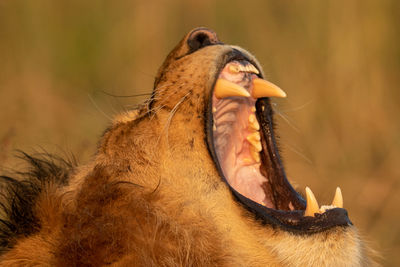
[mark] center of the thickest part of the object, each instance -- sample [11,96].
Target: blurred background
[339,62]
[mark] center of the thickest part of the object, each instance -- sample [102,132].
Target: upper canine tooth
[263,88]
[338,198]
[224,88]
[312,204]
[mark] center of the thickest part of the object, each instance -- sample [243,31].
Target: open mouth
[241,141]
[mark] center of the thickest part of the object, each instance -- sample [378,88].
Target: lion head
[193,178]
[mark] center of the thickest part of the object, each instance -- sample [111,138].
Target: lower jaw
[295,221]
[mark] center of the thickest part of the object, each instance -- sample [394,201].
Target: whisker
[286,119]
[172,113]
[299,107]
[113,95]
[166,127]
[299,153]
[98,108]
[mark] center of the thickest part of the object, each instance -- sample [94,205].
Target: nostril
[200,38]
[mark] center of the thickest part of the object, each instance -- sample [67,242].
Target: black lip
[291,221]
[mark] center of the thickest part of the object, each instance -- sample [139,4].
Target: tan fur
[153,197]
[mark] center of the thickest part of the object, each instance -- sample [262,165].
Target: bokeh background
[339,62]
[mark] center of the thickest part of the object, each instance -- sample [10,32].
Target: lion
[193,177]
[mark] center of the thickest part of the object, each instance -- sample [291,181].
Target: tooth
[247,160]
[312,204]
[254,139]
[254,136]
[214,109]
[234,68]
[252,69]
[324,208]
[263,88]
[252,118]
[253,123]
[224,88]
[214,127]
[242,68]
[254,154]
[338,198]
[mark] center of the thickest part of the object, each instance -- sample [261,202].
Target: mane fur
[20,190]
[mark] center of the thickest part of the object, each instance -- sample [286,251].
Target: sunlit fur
[153,197]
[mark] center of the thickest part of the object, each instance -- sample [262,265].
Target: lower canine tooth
[312,204]
[338,198]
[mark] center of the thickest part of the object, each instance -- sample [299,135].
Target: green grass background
[338,61]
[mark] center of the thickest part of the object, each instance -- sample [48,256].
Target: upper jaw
[284,207]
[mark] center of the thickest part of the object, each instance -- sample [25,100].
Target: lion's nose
[201,37]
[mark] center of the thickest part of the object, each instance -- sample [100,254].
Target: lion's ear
[202,37]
